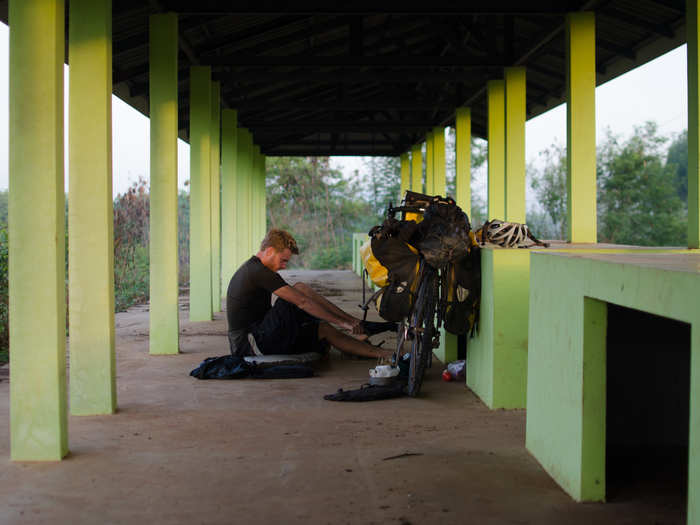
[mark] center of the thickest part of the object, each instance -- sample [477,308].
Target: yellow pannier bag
[378,273]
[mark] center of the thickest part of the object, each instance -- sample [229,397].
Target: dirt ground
[180,450]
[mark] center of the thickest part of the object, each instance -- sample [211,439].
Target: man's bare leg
[350,345]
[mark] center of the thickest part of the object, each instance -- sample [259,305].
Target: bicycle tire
[422,317]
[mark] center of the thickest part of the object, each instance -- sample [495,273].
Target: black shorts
[287,329]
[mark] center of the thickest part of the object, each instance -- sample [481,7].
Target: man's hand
[356,327]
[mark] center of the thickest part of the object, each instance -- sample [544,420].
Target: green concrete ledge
[566,355]
[497,355]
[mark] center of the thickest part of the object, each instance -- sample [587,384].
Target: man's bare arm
[309,305]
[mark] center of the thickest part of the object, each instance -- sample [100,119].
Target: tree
[318,206]
[382,178]
[678,158]
[638,201]
[549,218]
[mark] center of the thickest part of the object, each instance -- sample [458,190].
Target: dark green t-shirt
[249,294]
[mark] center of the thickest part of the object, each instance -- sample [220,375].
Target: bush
[131,228]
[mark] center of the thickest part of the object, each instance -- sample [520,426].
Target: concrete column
[463,159]
[496,153]
[439,175]
[692,23]
[163,48]
[405,174]
[580,124]
[243,200]
[229,195]
[90,218]
[417,169]
[215,197]
[256,222]
[515,143]
[200,194]
[263,193]
[38,419]
[405,164]
[429,164]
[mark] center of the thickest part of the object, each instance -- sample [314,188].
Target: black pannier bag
[391,248]
[463,293]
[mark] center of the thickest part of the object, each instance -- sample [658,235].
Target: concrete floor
[181,450]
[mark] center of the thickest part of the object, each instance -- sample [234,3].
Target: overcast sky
[656,91]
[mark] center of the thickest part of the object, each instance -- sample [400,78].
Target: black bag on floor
[233,367]
[368,393]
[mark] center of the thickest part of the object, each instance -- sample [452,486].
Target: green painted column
[417,169]
[440,173]
[430,164]
[256,222]
[38,418]
[200,194]
[243,202]
[515,113]
[263,189]
[163,245]
[229,195]
[263,184]
[692,24]
[215,167]
[463,159]
[90,218]
[580,126]
[496,152]
[405,174]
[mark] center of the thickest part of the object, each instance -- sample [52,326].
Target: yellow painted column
[38,419]
[405,174]
[463,159]
[163,251]
[229,195]
[439,175]
[200,194]
[429,164]
[448,342]
[243,202]
[515,112]
[580,124]
[496,153]
[90,218]
[215,167]
[417,169]
[692,23]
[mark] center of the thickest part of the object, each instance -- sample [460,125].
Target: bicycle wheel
[422,321]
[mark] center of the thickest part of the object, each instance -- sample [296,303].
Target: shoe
[374,327]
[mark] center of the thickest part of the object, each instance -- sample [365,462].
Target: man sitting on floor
[299,320]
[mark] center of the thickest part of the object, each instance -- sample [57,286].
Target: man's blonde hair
[279,240]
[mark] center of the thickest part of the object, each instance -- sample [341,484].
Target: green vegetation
[642,190]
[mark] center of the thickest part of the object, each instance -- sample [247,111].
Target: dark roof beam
[494,7]
[632,21]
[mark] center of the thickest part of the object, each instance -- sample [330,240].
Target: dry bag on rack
[444,234]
